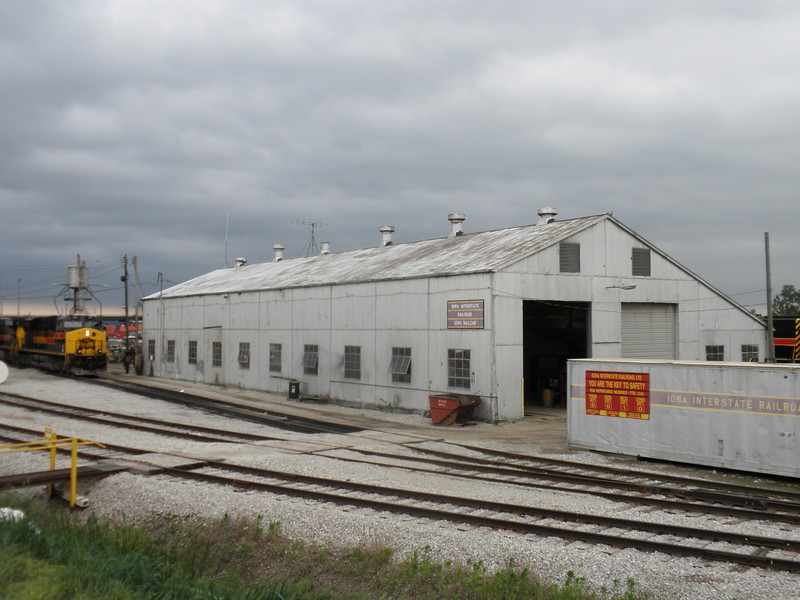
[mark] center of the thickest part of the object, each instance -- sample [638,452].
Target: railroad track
[626,494]
[716,545]
[135,422]
[272,418]
[625,485]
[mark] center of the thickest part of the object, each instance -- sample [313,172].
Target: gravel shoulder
[131,496]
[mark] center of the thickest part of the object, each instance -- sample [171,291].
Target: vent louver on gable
[569,257]
[640,262]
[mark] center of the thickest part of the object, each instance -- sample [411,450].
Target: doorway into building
[552,333]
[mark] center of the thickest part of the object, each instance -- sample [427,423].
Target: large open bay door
[553,332]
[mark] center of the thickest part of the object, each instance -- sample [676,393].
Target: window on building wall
[749,353]
[715,352]
[310,359]
[352,362]
[192,352]
[400,366]
[275,351]
[640,262]
[216,354]
[151,349]
[458,369]
[569,255]
[244,355]
[171,351]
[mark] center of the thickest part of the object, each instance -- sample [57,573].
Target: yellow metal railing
[52,443]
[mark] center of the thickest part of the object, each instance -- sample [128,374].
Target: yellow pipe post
[73,474]
[51,437]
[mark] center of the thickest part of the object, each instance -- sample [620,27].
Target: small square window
[715,353]
[310,359]
[749,353]
[244,355]
[400,367]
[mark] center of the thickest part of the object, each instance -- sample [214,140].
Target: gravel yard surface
[133,496]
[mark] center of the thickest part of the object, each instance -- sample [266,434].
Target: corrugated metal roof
[469,253]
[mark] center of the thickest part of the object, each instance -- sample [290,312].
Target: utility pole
[19,281]
[125,279]
[770,325]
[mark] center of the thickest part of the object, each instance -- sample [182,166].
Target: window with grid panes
[749,353]
[310,359]
[151,349]
[171,351]
[458,368]
[275,351]
[715,352]
[352,362]
[192,352]
[400,367]
[216,354]
[244,355]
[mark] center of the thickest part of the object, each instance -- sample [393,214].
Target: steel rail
[617,497]
[197,428]
[56,476]
[760,502]
[111,423]
[718,485]
[622,541]
[265,417]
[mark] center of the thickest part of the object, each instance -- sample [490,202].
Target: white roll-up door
[648,331]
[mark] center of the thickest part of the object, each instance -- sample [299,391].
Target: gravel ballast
[134,497]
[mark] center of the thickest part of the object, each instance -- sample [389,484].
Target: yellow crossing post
[52,443]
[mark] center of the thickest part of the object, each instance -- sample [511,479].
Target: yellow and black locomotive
[68,344]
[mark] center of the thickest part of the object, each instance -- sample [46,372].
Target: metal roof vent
[456,221]
[279,248]
[240,261]
[547,215]
[386,235]
[325,248]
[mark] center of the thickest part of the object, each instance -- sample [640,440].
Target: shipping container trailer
[741,416]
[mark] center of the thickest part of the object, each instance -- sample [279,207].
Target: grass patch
[56,555]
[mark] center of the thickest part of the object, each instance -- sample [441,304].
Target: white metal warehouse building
[495,314]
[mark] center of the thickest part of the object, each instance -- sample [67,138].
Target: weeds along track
[134,422]
[716,545]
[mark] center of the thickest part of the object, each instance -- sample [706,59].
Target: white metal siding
[648,331]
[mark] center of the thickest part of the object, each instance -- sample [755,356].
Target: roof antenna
[225,264]
[311,248]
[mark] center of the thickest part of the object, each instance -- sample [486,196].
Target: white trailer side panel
[742,416]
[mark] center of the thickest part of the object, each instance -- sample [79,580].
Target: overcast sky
[139,128]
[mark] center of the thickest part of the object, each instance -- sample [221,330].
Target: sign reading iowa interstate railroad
[465,314]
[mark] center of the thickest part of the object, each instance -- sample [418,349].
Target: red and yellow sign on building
[613,394]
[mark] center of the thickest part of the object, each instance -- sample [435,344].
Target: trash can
[453,408]
[294,389]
